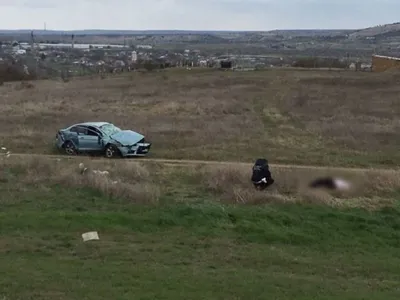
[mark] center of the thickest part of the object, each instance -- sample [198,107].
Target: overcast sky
[196,14]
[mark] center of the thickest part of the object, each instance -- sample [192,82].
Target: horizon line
[206,30]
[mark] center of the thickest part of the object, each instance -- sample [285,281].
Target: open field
[193,232]
[222,183]
[297,117]
[197,229]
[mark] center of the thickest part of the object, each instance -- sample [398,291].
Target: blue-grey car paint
[126,141]
[127,137]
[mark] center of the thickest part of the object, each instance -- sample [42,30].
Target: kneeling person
[261,177]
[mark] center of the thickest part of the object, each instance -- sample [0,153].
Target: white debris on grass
[82,168]
[6,154]
[91,235]
[99,172]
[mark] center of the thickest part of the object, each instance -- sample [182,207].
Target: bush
[149,66]
[317,62]
[11,71]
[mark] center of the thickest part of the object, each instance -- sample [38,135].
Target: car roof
[94,124]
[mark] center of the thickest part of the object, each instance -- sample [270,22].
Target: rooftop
[387,57]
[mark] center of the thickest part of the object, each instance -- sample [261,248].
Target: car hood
[127,137]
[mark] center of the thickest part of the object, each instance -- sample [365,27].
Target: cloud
[197,15]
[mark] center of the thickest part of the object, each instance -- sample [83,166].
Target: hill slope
[376,30]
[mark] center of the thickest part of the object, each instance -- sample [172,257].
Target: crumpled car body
[102,137]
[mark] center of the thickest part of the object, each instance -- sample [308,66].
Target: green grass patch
[197,250]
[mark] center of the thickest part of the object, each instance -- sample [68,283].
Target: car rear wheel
[70,148]
[112,151]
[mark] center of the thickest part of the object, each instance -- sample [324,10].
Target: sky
[197,14]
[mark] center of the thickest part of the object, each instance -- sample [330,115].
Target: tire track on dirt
[187,162]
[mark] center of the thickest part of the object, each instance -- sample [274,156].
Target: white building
[144,47]
[203,63]
[20,52]
[134,56]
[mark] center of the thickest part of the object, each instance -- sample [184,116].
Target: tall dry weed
[232,184]
[130,182]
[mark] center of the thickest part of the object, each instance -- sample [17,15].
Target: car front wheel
[70,148]
[111,151]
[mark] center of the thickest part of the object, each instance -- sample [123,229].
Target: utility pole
[32,42]
[33,51]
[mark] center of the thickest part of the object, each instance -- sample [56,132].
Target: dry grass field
[153,183]
[296,117]
[198,230]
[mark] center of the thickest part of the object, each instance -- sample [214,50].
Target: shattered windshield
[110,129]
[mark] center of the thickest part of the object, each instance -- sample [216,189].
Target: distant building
[203,63]
[366,67]
[353,67]
[20,52]
[382,63]
[134,56]
[15,46]
[226,64]
[144,47]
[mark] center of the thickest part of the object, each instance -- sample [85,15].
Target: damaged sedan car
[101,137]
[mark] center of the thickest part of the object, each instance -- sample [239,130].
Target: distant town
[42,54]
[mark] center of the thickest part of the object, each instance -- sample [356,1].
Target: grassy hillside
[168,232]
[376,31]
[299,117]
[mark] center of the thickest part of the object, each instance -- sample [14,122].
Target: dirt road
[203,162]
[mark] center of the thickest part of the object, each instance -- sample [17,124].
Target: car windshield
[109,129]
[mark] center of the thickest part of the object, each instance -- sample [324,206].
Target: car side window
[80,130]
[92,131]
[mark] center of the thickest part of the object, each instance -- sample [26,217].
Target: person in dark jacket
[261,177]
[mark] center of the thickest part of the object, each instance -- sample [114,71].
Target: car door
[75,133]
[91,140]
[81,137]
